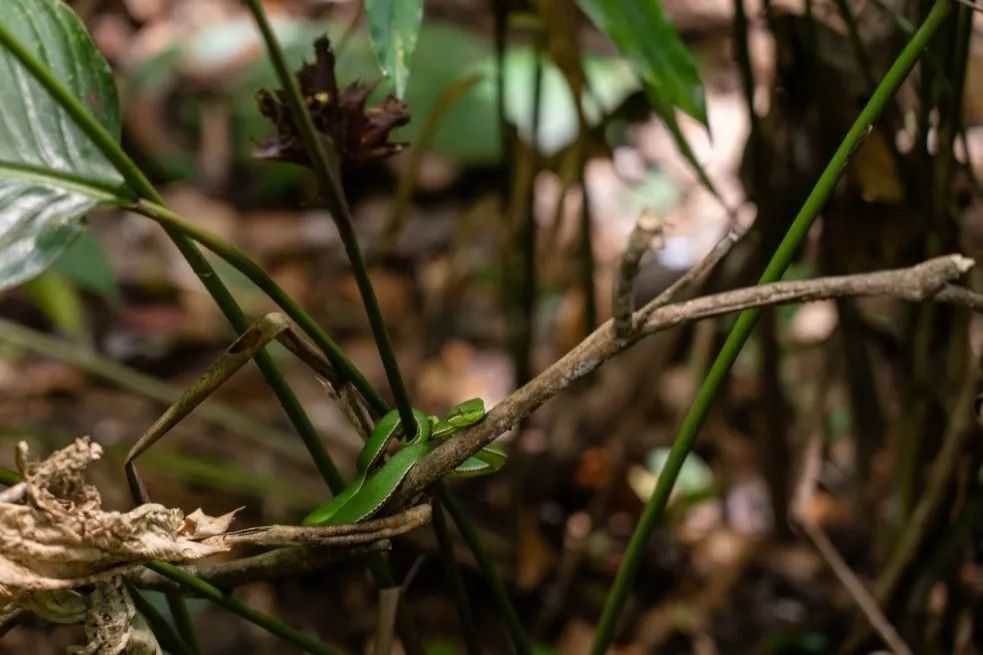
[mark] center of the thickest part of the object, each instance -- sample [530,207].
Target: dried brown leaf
[61,538]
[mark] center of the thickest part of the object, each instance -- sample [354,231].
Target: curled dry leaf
[61,538]
[359,134]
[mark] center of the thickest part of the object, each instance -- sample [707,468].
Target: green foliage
[647,38]
[394,26]
[86,263]
[60,301]
[51,174]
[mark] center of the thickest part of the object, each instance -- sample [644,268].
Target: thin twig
[923,281]
[331,535]
[694,274]
[645,236]
[271,565]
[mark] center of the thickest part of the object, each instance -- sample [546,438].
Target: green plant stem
[520,641]
[239,260]
[182,621]
[656,505]
[141,186]
[327,172]
[233,604]
[469,631]
[165,633]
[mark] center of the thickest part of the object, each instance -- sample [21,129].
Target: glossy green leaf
[647,38]
[51,175]
[394,26]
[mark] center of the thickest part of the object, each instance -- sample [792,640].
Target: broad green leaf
[647,38]
[51,175]
[394,26]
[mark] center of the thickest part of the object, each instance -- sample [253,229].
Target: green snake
[375,484]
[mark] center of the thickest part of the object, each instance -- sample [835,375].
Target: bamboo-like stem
[182,621]
[469,632]
[655,507]
[165,633]
[328,175]
[254,272]
[236,606]
[142,188]
[520,641]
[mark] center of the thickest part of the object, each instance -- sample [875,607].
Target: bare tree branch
[645,236]
[331,535]
[704,266]
[926,280]
[292,560]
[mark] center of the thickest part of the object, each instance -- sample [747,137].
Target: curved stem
[520,641]
[183,622]
[469,632]
[142,187]
[167,636]
[656,505]
[171,220]
[233,604]
[327,172]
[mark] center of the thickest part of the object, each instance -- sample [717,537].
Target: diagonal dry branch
[928,280]
[277,563]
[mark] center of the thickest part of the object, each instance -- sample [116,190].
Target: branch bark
[928,280]
[292,560]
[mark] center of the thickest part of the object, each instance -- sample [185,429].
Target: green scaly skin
[374,485]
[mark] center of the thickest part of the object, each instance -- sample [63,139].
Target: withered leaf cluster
[359,134]
[59,539]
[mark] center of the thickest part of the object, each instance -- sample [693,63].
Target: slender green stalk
[520,641]
[236,606]
[469,631]
[141,186]
[656,505]
[165,633]
[327,173]
[244,264]
[182,620]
